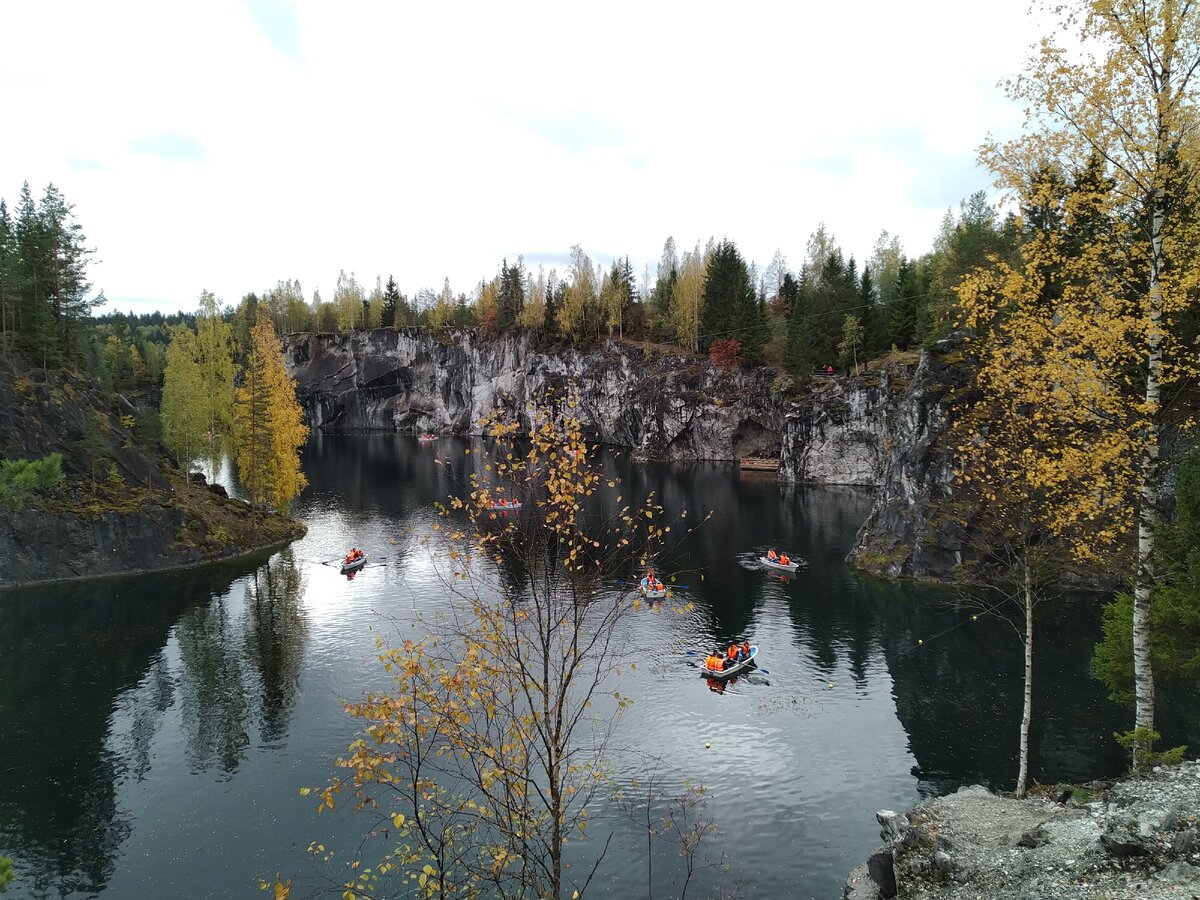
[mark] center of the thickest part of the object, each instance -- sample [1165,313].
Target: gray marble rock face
[877,430]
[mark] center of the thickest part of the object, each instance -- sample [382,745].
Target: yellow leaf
[398,819]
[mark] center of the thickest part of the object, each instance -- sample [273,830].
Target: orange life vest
[732,651]
[746,648]
[785,560]
[713,663]
[772,555]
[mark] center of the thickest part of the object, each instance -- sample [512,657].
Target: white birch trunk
[1148,487]
[1027,711]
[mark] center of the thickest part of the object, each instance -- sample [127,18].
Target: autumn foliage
[479,764]
[726,353]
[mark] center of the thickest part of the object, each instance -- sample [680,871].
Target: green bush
[6,871]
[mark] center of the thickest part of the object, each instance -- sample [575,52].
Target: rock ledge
[1138,838]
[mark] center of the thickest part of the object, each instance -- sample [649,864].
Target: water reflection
[152,724]
[89,672]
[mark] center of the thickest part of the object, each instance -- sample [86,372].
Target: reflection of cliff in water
[959,696]
[59,762]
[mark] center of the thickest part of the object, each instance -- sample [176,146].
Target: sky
[229,145]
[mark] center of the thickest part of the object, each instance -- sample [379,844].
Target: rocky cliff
[663,406]
[876,429]
[121,506]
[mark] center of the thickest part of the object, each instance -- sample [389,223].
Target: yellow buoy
[707,745]
[919,641]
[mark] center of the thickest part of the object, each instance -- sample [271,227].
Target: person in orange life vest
[745,649]
[731,656]
[785,560]
[772,555]
[714,663]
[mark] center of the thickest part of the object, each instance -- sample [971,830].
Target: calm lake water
[155,731]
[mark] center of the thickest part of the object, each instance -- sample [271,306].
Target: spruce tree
[730,308]
[511,296]
[796,351]
[873,320]
[391,302]
[8,256]
[902,317]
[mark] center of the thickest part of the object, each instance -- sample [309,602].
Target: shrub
[725,353]
[19,478]
[1141,739]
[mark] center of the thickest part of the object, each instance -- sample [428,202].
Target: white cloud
[226,146]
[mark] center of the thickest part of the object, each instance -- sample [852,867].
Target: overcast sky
[228,145]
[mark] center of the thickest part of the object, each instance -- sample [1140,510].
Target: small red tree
[725,353]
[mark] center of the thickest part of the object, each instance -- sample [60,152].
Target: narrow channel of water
[156,730]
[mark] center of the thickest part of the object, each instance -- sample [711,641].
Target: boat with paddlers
[780,561]
[728,671]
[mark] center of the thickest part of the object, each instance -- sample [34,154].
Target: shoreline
[241,554]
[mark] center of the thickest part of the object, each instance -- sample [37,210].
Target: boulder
[1123,840]
[881,868]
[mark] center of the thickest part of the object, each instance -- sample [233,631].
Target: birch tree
[1042,476]
[183,407]
[1118,81]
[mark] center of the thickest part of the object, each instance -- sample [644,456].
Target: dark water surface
[155,731]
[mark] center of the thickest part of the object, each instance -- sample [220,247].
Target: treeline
[828,310]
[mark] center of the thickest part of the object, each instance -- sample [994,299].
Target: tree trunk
[1027,711]
[1148,478]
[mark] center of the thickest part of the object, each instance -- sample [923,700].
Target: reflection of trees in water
[84,683]
[958,696]
[276,633]
[224,663]
[212,695]
[149,701]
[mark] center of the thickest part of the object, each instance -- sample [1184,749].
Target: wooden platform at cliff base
[758,464]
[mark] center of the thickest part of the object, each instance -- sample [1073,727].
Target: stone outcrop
[1137,838]
[122,506]
[905,536]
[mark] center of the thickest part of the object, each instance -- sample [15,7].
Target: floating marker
[707,745]
[919,642]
